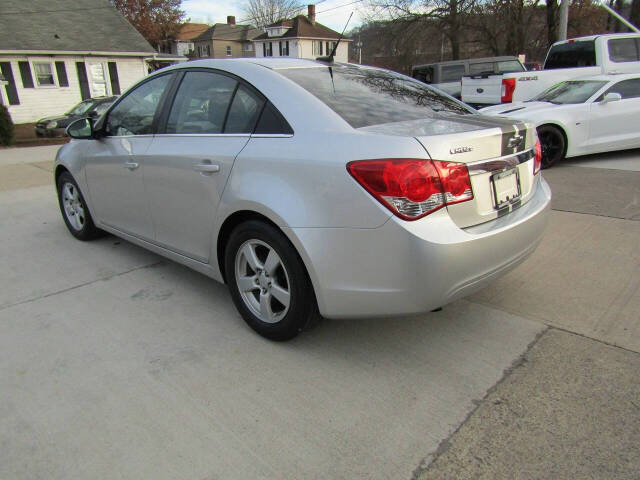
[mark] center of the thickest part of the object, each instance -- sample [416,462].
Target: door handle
[131,165]
[206,168]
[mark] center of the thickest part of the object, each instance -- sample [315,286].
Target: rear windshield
[508,66]
[368,96]
[572,55]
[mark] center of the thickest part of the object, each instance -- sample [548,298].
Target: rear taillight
[413,188]
[508,87]
[537,159]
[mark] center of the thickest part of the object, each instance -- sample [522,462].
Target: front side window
[572,91]
[44,74]
[623,49]
[201,104]
[368,96]
[626,88]
[100,109]
[451,73]
[134,114]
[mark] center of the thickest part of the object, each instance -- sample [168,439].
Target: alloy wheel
[262,280]
[73,206]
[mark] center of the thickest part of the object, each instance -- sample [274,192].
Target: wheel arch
[563,131]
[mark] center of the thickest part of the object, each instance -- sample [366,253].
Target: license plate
[506,187]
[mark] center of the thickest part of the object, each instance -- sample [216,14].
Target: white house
[55,54]
[300,37]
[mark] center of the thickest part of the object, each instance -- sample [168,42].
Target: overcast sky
[216,11]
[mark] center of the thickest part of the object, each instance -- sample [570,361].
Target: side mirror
[81,129]
[611,97]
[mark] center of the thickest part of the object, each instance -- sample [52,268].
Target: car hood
[519,109]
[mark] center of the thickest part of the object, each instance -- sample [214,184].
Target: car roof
[593,37]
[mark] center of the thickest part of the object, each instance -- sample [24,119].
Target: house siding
[218,48]
[39,102]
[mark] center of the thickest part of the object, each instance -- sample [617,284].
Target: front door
[115,163]
[187,166]
[615,124]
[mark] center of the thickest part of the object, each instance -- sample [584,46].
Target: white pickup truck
[578,57]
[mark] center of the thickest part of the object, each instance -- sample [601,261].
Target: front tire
[554,145]
[268,282]
[74,209]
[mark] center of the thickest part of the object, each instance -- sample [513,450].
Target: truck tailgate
[482,90]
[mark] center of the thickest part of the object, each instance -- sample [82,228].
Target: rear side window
[572,55]
[272,122]
[369,96]
[478,68]
[201,104]
[424,74]
[509,66]
[451,73]
[244,111]
[624,49]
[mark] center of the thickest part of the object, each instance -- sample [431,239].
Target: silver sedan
[310,188]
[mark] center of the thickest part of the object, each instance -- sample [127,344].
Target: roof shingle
[67,25]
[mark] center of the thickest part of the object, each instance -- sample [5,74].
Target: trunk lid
[498,153]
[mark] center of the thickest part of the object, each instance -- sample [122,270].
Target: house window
[317,47]
[228,50]
[44,74]
[284,48]
[248,47]
[267,49]
[330,46]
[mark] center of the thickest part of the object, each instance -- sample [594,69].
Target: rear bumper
[405,268]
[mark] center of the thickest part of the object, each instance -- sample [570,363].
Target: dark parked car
[56,126]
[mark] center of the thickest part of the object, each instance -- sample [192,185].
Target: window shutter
[82,79]
[264,49]
[113,75]
[25,73]
[61,70]
[10,87]
[287,47]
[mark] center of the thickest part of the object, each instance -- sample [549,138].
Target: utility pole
[359,47]
[563,20]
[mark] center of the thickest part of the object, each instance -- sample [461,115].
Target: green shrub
[6,126]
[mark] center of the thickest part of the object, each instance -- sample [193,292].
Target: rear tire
[268,282]
[74,209]
[554,145]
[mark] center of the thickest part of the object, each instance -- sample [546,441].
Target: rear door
[449,78]
[615,124]
[207,124]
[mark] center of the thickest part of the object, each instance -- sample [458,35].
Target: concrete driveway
[115,363]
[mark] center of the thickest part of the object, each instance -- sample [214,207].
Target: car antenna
[329,58]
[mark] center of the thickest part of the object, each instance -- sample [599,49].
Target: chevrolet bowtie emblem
[515,142]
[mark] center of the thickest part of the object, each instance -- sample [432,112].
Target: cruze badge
[455,150]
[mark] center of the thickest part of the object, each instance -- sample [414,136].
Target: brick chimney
[231,20]
[311,13]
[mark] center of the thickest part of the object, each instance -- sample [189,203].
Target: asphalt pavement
[116,363]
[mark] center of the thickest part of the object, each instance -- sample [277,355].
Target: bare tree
[634,17]
[450,15]
[264,12]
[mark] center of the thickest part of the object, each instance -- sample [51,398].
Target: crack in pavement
[74,287]
[445,443]
[631,219]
